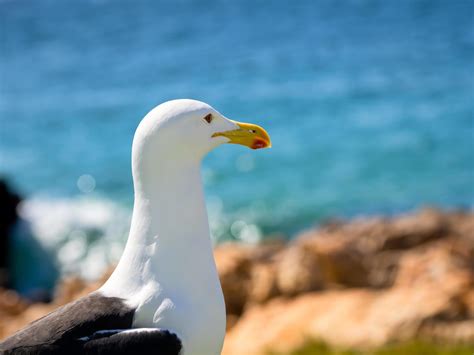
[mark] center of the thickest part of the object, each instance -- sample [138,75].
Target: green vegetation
[411,348]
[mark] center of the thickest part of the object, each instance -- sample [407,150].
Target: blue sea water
[369,103]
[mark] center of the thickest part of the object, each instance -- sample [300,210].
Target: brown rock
[371,235]
[468,302]
[448,332]
[263,283]
[382,268]
[412,230]
[234,267]
[11,303]
[438,264]
[298,270]
[246,273]
[351,318]
[340,261]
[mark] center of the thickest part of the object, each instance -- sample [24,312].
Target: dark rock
[9,201]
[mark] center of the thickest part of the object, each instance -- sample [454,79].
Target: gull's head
[189,129]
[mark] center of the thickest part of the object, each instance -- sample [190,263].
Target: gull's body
[167,270]
[164,296]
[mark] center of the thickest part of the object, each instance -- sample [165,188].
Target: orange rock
[234,268]
[263,283]
[350,318]
[298,270]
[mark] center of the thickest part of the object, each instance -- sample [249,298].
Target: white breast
[198,321]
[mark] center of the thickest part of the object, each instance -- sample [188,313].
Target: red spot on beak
[258,143]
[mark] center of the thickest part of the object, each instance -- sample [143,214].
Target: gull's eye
[208,118]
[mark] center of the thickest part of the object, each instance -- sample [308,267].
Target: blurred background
[370,106]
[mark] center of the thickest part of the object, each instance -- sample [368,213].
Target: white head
[184,131]
[189,129]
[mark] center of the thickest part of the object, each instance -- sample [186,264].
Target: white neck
[167,271]
[169,222]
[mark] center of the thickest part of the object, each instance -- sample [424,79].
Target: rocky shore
[358,284]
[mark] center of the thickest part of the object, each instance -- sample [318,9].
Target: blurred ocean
[370,106]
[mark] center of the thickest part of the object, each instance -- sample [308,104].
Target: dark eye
[208,118]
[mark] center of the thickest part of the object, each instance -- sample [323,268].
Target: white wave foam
[86,234]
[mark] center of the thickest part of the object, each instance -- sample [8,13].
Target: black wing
[138,341]
[72,329]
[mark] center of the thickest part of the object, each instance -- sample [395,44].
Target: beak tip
[260,143]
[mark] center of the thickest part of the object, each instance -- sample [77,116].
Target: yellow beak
[250,135]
